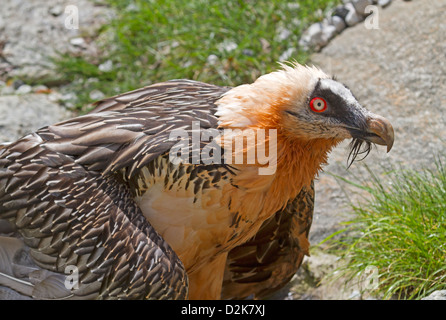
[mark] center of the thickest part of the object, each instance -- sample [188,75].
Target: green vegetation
[401,230]
[153,41]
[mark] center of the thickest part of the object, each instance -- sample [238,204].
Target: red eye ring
[318,105]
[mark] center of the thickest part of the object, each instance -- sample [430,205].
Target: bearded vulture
[178,190]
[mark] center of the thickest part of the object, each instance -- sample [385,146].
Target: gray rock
[56,10]
[293,5]
[107,66]
[2,23]
[23,114]
[91,80]
[40,88]
[187,64]
[354,295]
[360,6]
[341,11]
[55,97]
[287,54]
[352,17]
[248,52]
[6,90]
[96,95]
[227,46]
[311,36]
[384,3]
[436,295]
[283,34]
[317,279]
[132,7]
[78,42]
[212,59]
[318,35]
[338,23]
[69,96]
[328,32]
[24,89]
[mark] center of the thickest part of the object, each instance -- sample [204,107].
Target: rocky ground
[31,34]
[397,71]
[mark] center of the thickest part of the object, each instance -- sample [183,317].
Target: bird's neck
[298,163]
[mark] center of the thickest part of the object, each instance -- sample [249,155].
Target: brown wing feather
[269,260]
[131,130]
[67,215]
[61,189]
[182,93]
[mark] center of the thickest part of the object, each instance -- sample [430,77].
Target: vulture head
[305,105]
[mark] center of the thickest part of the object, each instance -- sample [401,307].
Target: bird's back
[62,203]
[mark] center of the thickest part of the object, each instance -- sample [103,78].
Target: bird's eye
[318,104]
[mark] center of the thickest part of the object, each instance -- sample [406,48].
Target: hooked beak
[379,131]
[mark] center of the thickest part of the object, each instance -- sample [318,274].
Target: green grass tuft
[400,230]
[154,41]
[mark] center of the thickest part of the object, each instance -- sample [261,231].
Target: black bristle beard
[358,147]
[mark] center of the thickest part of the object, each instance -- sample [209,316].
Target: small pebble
[283,34]
[55,97]
[384,3]
[56,10]
[436,295]
[293,5]
[78,42]
[360,6]
[132,7]
[41,89]
[352,18]
[311,37]
[248,52]
[107,66]
[96,95]
[24,89]
[287,54]
[338,23]
[68,96]
[341,11]
[328,33]
[227,46]
[212,59]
